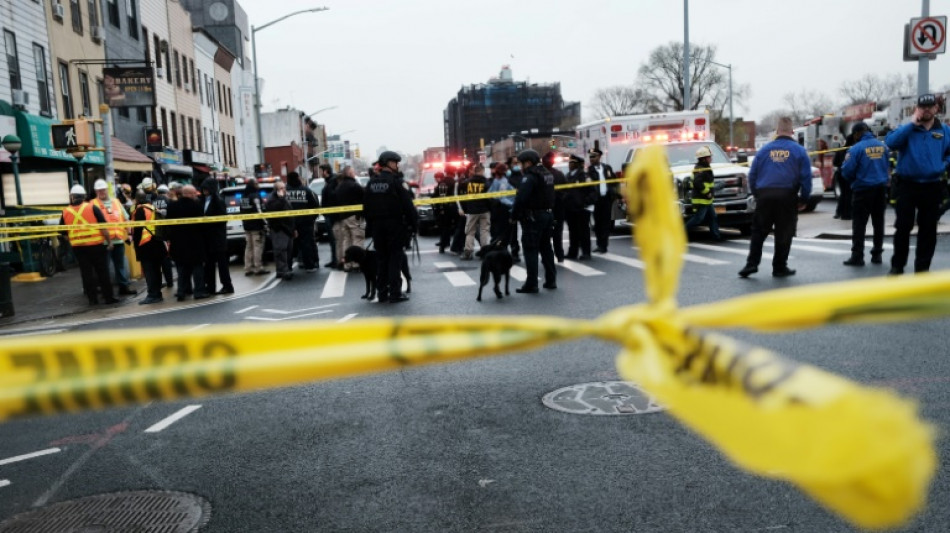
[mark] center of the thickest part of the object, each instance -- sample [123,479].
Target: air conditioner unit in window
[97,33]
[159,72]
[21,98]
[58,10]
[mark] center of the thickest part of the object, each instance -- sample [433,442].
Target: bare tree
[619,100]
[877,88]
[807,103]
[661,77]
[767,124]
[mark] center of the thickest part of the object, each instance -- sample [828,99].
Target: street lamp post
[257,83]
[12,144]
[732,141]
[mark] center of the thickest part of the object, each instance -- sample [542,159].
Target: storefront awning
[36,134]
[128,159]
[177,169]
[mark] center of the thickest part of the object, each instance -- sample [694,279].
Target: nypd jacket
[866,164]
[924,154]
[386,200]
[781,164]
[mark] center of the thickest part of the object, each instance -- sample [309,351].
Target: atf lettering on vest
[113,212]
[475,188]
[779,156]
[78,220]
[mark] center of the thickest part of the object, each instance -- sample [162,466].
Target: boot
[854,261]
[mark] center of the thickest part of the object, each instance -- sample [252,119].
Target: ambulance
[682,133]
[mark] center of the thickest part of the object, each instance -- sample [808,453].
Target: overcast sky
[391,67]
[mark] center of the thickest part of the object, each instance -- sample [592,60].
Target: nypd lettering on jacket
[781,164]
[378,187]
[866,164]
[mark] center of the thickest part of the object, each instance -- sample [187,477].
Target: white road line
[292,317]
[199,326]
[38,332]
[181,413]
[282,312]
[444,264]
[580,268]
[246,309]
[335,284]
[347,317]
[4,482]
[727,249]
[629,261]
[26,456]
[459,278]
[816,249]
[519,273]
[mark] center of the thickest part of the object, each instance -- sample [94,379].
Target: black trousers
[557,236]
[775,209]
[389,238]
[845,203]
[191,278]
[306,244]
[918,202]
[448,218]
[152,270]
[603,216]
[578,230]
[868,203]
[94,268]
[536,240]
[500,227]
[331,240]
[217,260]
[458,234]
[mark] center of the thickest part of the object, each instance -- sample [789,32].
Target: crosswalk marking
[336,283]
[459,279]
[816,249]
[519,273]
[700,259]
[580,268]
[444,264]
[622,259]
[727,249]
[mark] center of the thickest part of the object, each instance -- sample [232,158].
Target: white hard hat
[163,188]
[100,184]
[147,183]
[77,189]
[704,151]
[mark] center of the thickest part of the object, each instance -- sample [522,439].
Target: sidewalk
[61,295]
[821,225]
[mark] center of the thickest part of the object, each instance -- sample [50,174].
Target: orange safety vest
[147,231]
[80,234]
[115,214]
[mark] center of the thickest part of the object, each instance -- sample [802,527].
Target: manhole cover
[602,398]
[142,510]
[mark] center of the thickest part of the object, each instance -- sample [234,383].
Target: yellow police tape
[860,451]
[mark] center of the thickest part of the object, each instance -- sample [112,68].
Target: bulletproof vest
[381,197]
[542,196]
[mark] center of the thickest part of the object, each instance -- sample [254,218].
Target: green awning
[35,133]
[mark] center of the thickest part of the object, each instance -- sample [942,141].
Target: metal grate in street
[602,398]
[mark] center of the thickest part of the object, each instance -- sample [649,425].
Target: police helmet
[529,155]
[703,151]
[77,190]
[163,188]
[100,184]
[387,156]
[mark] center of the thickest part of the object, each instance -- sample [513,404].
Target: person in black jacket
[576,200]
[514,178]
[390,215]
[254,234]
[187,245]
[328,200]
[149,248]
[352,230]
[477,216]
[605,194]
[557,234]
[704,184]
[533,205]
[843,206]
[282,231]
[216,239]
[446,213]
[301,197]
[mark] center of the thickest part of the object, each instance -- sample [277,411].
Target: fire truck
[682,133]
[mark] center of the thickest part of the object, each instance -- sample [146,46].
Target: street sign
[927,35]
[338,155]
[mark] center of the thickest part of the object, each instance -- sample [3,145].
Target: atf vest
[148,231]
[114,212]
[78,219]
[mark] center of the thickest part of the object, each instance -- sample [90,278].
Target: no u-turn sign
[927,35]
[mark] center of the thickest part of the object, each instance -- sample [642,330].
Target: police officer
[390,215]
[576,200]
[446,214]
[780,173]
[90,245]
[533,207]
[865,168]
[557,233]
[302,197]
[605,194]
[703,184]
[924,145]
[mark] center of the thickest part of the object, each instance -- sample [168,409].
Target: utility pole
[923,62]
[687,105]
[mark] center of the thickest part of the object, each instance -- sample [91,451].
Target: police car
[235,200]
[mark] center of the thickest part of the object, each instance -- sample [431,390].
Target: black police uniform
[533,207]
[447,213]
[557,233]
[389,212]
[576,214]
[604,203]
[302,197]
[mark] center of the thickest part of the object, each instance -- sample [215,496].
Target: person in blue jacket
[866,168]
[780,178]
[924,145]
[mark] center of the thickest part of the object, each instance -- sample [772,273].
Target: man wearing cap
[115,212]
[576,200]
[533,207]
[557,233]
[924,145]
[90,245]
[703,183]
[605,194]
[866,170]
[780,178]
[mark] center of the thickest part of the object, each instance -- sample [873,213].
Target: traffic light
[553,143]
[357,152]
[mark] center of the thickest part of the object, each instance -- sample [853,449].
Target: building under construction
[485,113]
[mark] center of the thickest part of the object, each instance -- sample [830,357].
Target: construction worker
[149,249]
[703,184]
[114,211]
[90,245]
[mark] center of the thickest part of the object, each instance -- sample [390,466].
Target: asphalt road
[470,446]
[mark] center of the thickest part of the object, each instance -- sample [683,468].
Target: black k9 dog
[367,261]
[496,262]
